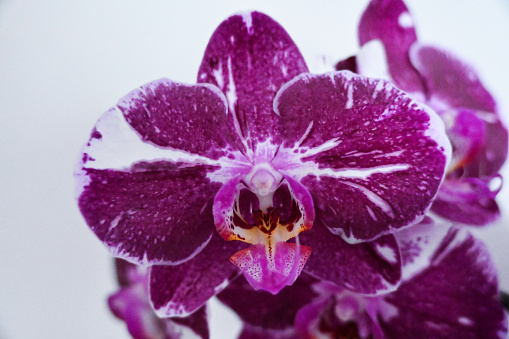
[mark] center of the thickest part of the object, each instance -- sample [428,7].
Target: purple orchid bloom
[452,88]
[260,151]
[450,291]
[131,304]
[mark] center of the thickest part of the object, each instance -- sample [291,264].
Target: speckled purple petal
[469,201]
[154,213]
[390,22]
[450,81]
[182,289]
[192,118]
[455,297]
[369,268]
[372,158]
[262,309]
[249,57]
[146,180]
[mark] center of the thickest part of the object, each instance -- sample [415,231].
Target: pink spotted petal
[131,304]
[272,271]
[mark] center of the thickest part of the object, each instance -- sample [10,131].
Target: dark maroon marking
[349,64]
[285,212]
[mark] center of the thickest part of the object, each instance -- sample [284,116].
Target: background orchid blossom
[450,86]
[131,304]
[449,291]
[260,150]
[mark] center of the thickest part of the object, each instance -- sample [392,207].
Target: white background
[63,63]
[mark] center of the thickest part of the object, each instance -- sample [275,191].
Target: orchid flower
[449,291]
[181,177]
[131,304]
[451,87]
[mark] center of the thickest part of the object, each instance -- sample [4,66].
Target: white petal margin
[419,243]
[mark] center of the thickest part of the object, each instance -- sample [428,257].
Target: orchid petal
[182,289]
[493,154]
[140,319]
[197,322]
[264,310]
[192,118]
[418,244]
[450,81]
[249,57]
[154,213]
[455,297]
[390,22]
[144,189]
[370,156]
[467,134]
[467,200]
[131,304]
[368,268]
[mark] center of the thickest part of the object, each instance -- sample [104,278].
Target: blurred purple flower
[450,291]
[132,305]
[452,88]
[260,151]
